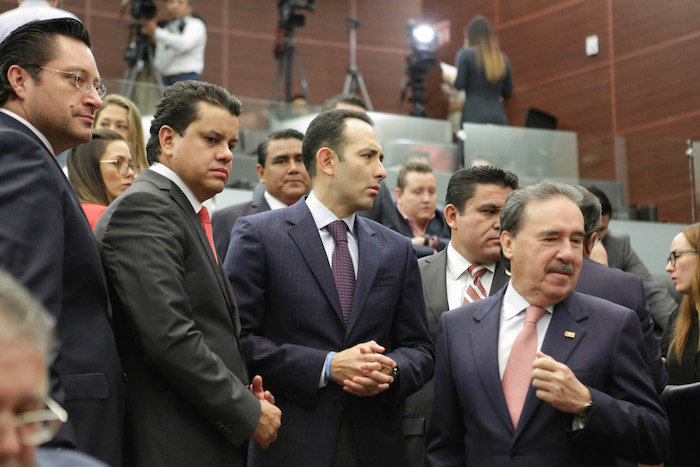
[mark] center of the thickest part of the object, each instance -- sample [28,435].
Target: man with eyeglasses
[49,91]
[28,416]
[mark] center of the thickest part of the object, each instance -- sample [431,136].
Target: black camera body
[289,16]
[143,9]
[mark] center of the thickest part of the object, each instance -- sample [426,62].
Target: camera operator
[180,43]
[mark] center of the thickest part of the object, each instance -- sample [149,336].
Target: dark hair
[289,133]
[605,206]
[327,130]
[462,184]
[84,167]
[33,45]
[590,208]
[332,102]
[179,107]
[489,57]
[418,164]
[517,201]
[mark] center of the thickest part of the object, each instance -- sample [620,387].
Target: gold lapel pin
[569,334]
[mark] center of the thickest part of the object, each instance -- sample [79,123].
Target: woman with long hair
[679,345]
[121,115]
[483,72]
[100,170]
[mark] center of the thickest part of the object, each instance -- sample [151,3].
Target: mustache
[566,268]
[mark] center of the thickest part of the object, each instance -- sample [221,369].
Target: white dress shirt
[180,46]
[512,322]
[273,202]
[458,278]
[29,10]
[173,177]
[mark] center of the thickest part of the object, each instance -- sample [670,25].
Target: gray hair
[515,204]
[591,210]
[24,317]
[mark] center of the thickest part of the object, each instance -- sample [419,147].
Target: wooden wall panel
[558,48]
[639,24]
[657,85]
[510,10]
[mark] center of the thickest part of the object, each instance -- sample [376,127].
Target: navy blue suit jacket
[47,244]
[223,220]
[471,424]
[291,318]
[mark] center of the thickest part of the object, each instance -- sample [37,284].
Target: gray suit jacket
[622,256]
[418,407]
[177,328]
[223,220]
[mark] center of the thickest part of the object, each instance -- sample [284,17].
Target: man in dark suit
[50,89]
[475,197]
[176,320]
[281,170]
[332,312]
[416,208]
[617,286]
[588,395]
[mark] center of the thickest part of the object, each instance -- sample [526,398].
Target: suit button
[124,377]
[337,402]
[515,455]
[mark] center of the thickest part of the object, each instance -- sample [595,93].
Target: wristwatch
[395,372]
[585,411]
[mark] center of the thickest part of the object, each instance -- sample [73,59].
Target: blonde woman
[121,115]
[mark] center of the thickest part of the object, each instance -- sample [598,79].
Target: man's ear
[451,213]
[166,137]
[589,244]
[507,244]
[18,77]
[326,159]
[261,173]
[398,193]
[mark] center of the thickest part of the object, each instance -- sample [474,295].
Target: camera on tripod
[289,17]
[419,62]
[143,9]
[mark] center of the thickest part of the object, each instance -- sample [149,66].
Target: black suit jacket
[418,407]
[625,289]
[436,227]
[46,243]
[223,220]
[177,329]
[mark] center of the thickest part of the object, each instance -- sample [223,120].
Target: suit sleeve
[412,347]
[295,368]
[445,441]
[32,240]
[651,343]
[144,249]
[628,418]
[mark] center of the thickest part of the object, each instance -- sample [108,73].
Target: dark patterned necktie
[343,271]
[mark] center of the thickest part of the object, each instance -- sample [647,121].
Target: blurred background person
[679,345]
[100,170]
[121,115]
[31,10]
[180,43]
[483,72]
[416,206]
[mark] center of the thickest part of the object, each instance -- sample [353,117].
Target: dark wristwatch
[395,372]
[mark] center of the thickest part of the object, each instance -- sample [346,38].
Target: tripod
[353,78]
[138,55]
[287,54]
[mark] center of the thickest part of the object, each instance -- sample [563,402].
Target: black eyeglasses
[676,253]
[123,167]
[81,83]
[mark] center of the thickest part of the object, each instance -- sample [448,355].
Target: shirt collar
[26,123]
[458,264]
[273,202]
[324,216]
[514,303]
[173,177]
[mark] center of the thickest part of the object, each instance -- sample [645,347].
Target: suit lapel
[369,254]
[434,275]
[500,278]
[484,340]
[557,344]
[305,235]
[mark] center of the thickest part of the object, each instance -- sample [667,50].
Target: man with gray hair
[26,341]
[538,373]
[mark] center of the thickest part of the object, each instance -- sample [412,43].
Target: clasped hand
[558,385]
[270,416]
[363,370]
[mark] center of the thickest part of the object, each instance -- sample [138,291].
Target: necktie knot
[477,270]
[203,215]
[338,230]
[205,220]
[533,314]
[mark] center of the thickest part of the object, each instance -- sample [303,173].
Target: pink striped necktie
[204,218]
[475,291]
[518,372]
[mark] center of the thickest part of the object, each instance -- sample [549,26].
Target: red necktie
[517,376]
[475,291]
[204,218]
[343,271]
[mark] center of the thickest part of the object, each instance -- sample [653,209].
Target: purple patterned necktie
[343,271]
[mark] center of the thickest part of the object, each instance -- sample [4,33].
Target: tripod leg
[302,78]
[363,90]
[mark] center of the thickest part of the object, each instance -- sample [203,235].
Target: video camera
[289,18]
[143,9]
